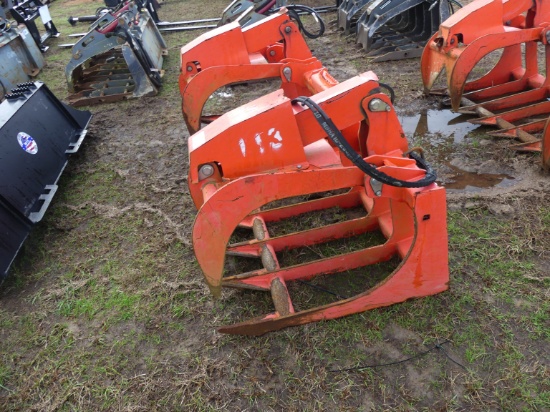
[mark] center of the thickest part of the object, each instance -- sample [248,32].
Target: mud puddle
[442,124]
[464,181]
[440,131]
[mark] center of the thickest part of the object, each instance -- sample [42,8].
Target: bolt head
[189,68]
[377,105]
[272,53]
[287,29]
[206,171]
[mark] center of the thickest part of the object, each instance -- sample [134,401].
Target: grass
[106,308]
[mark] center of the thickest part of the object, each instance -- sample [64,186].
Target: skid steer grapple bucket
[345,137]
[399,29]
[506,36]
[231,54]
[120,58]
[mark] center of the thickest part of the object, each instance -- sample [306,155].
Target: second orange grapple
[513,95]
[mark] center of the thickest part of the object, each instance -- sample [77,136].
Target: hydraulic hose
[371,170]
[294,11]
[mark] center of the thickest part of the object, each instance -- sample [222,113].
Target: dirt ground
[107,309]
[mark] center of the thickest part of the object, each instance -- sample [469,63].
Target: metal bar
[314,236]
[183,28]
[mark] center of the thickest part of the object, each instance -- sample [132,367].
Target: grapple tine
[432,64]
[514,132]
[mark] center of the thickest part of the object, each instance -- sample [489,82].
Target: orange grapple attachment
[231,54]
[513,95]
[274,148]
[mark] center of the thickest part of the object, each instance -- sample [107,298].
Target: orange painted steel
[514,87]
[231,54]
[273,149]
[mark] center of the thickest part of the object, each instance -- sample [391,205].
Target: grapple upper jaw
[231,54]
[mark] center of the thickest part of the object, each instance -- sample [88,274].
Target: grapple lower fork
[514,85]
[271,149]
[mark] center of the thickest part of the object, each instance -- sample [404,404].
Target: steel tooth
[269,261]
[535,146]
[281,298]
[514,132]
[258,227]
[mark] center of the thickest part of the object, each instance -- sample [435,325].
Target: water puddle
[463,181]
[438,131]
[441,123]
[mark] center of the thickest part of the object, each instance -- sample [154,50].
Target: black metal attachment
[37,134]
[26,13]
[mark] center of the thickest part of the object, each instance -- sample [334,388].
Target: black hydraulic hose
[294,11]
[389,89]
[371,170]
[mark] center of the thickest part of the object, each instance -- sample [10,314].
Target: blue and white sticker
[27,143]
